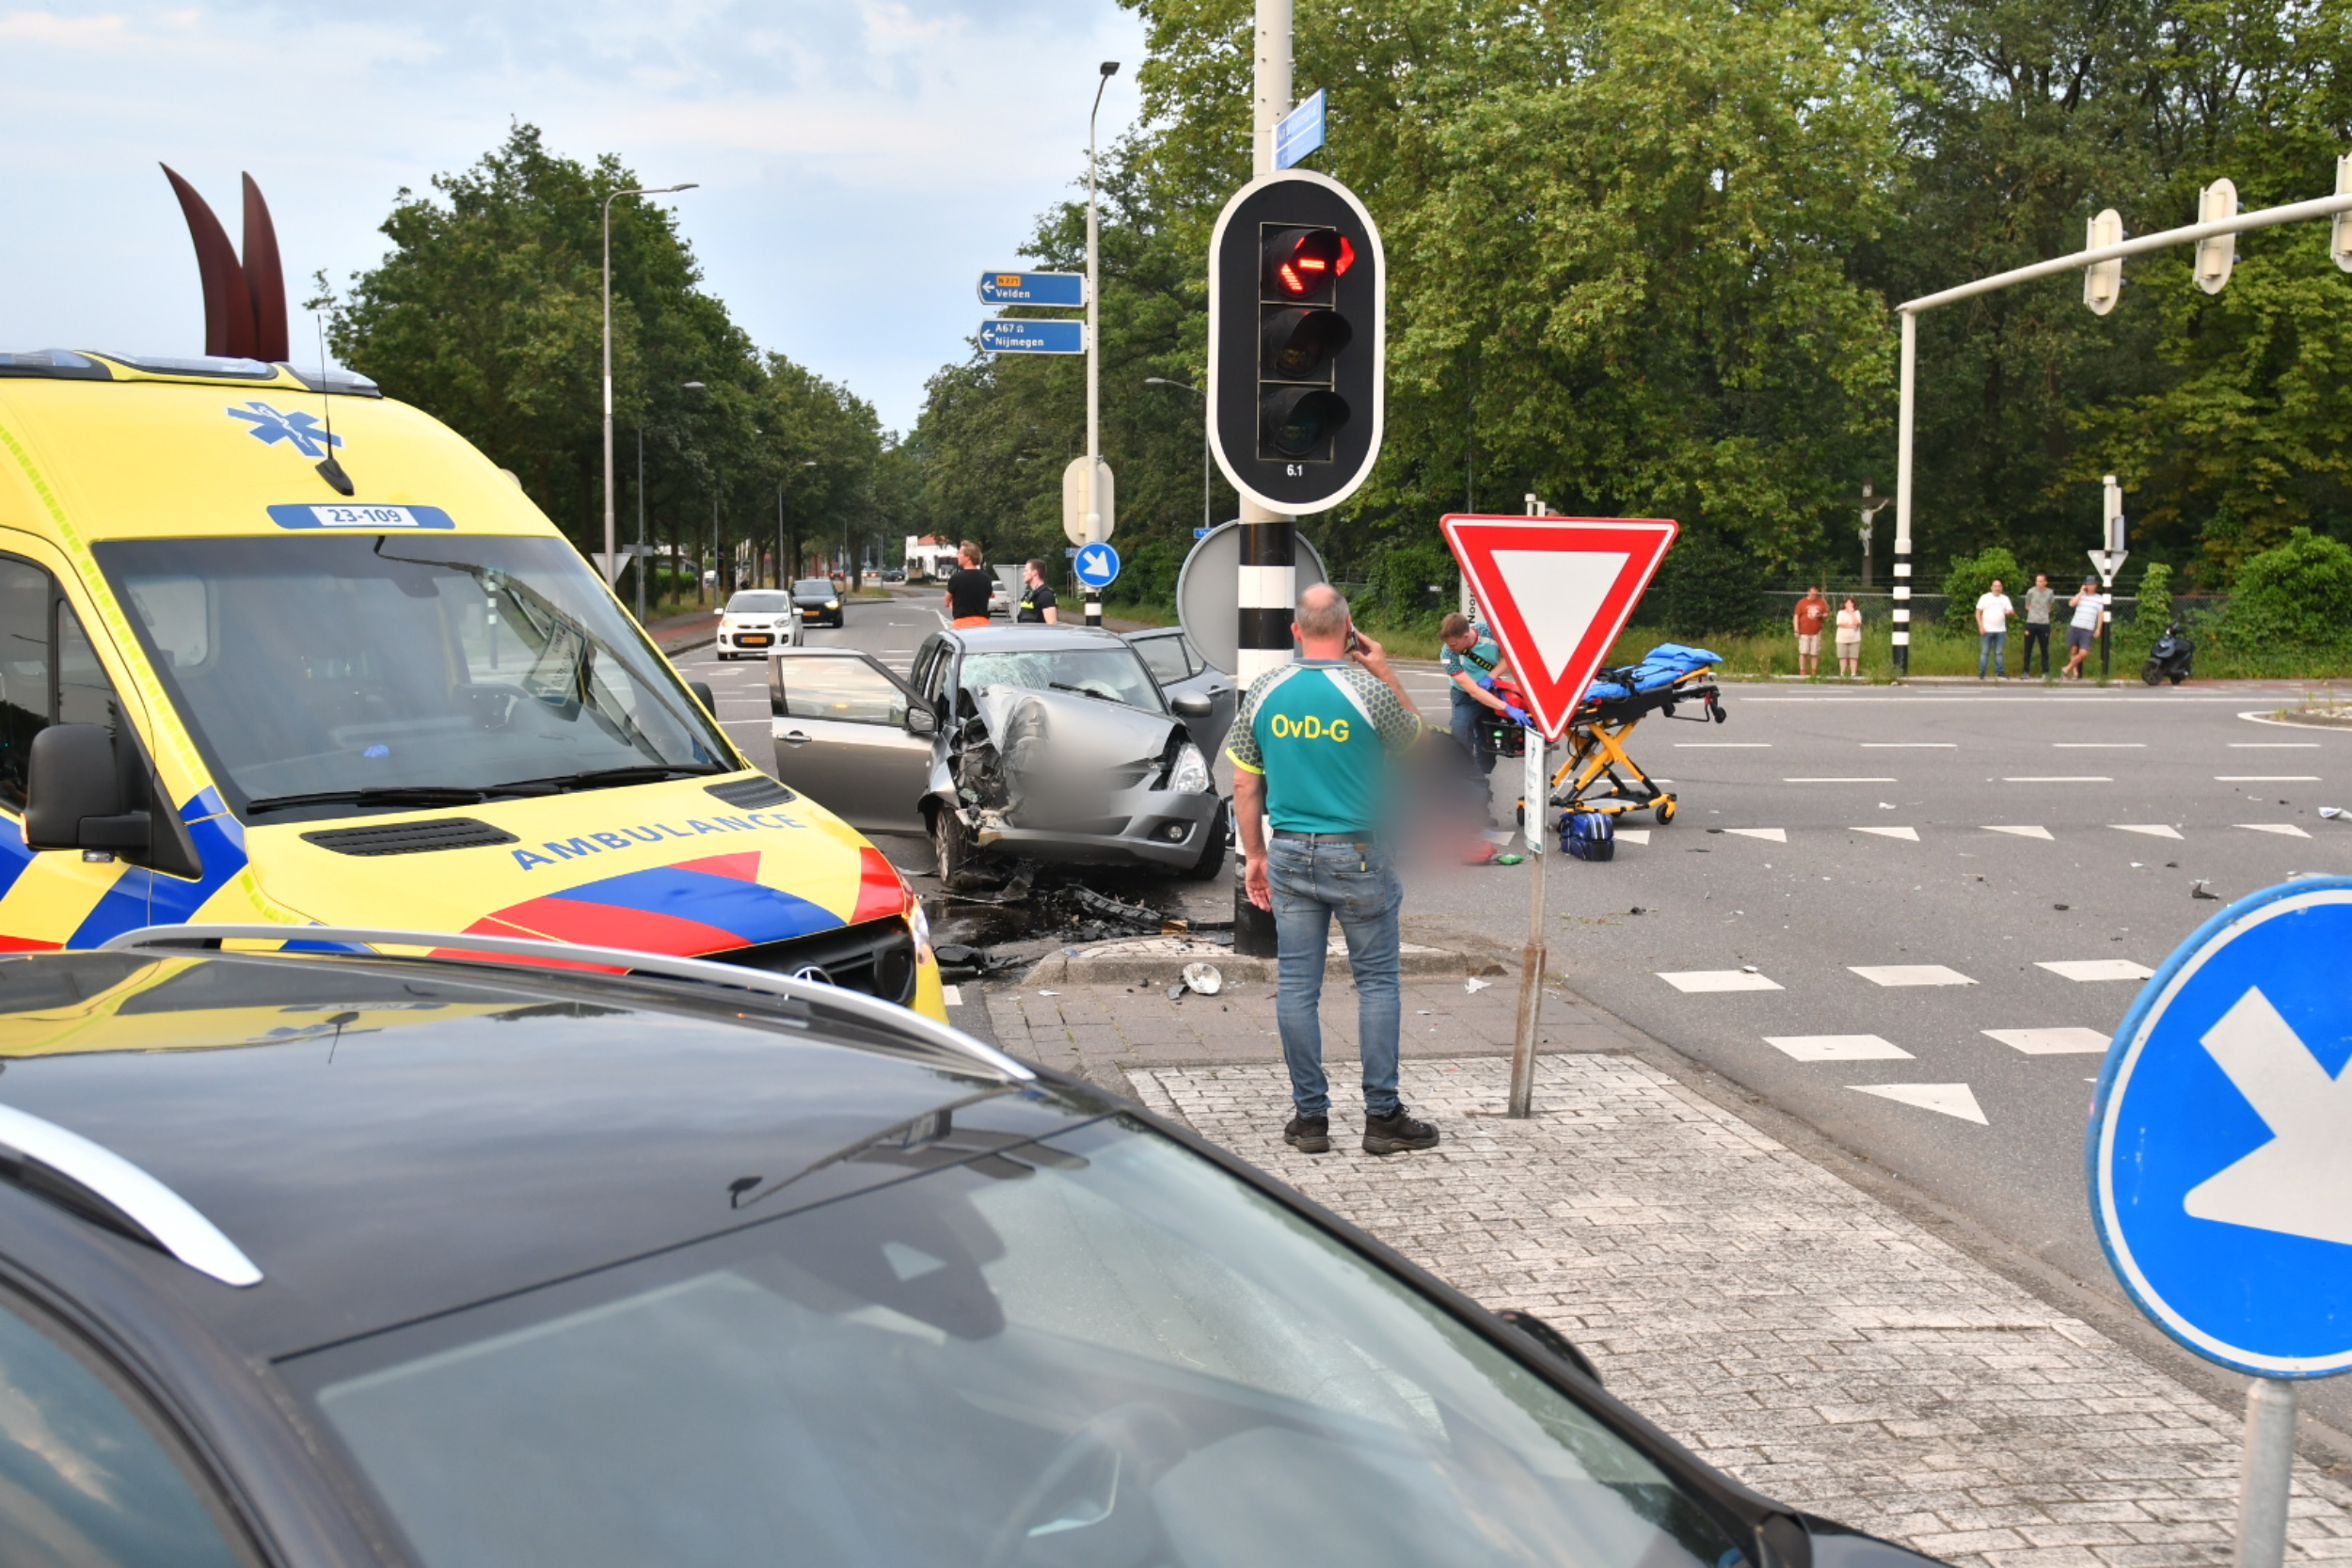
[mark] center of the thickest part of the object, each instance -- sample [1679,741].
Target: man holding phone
[1310,748]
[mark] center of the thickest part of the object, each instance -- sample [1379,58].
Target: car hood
[1077,732]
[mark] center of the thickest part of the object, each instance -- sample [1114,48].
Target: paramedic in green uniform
[1310,750]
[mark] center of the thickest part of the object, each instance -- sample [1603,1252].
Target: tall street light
[1094,349]
[611,546]
[697,387]
[1162,381]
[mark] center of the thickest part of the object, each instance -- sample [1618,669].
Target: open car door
[852,736]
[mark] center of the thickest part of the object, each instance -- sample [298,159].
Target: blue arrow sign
[2220,1159]
[1033,288]
[1298,132]
[1097,565]
[1033,337]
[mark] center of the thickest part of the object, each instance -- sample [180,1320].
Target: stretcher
[1598,774]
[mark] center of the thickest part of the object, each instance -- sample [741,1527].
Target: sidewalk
[1787,1325]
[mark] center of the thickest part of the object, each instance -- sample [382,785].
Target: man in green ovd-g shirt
[1310,751]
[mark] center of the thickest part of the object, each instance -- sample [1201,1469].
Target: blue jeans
[1463,721]
[1993,645]
[1310,884]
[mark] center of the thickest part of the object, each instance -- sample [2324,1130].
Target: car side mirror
[1550,1338]
[1192,705]
[703,695]
[921,720]
[74,794]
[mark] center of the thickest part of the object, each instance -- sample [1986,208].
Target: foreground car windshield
[353,664]
[759,604]
[1096,1352]
[1112,673]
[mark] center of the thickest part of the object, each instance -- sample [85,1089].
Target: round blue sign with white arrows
[1097,565]
[2220,1141]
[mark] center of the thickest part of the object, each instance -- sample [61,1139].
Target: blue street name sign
[1097,565]
[1033,337]
[2221,1166]
[1298,132]
[1033,288]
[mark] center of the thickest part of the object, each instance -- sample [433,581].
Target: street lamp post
[1094,350]
[1162,381]
[611,548]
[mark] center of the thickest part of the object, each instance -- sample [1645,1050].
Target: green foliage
[1707,587]
[2296,595]
[1971,576]
[488,312]
[1400,575]
[2156,599]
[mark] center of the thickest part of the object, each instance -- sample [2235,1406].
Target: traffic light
[1296,339]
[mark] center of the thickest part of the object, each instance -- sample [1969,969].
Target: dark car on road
[1053,743]
[818,601]
[344,1261]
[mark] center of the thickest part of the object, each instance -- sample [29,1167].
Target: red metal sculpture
[245,302]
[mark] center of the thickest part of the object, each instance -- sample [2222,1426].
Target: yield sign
[1556,591]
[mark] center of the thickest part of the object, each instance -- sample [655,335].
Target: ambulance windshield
[335,673]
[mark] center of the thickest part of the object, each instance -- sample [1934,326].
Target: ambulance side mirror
[75,793]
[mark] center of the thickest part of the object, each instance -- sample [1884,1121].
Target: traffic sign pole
[2265,1473]
[1535,789]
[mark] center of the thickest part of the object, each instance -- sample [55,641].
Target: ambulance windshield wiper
[415,795]
[612,778]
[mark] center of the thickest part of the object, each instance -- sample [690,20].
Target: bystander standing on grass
[1993,612]
[2039,598]
[1811,614]
[1850,641]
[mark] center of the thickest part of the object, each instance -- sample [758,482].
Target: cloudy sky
[860,161]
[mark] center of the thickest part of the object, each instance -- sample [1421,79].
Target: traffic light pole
[1094,354]
[2340,245]
[1269,588]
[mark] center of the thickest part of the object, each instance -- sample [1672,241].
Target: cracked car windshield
[1095,1352]
[1114,675]
[344,666]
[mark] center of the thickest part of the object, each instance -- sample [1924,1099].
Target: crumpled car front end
[1076,780]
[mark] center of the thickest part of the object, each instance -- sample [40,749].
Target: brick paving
[1787,1326]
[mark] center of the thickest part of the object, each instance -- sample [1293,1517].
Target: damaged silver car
[1052,744]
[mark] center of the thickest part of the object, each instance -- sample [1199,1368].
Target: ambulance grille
[751,793]
[411,838]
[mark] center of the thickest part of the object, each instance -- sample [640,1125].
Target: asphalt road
[1910,919]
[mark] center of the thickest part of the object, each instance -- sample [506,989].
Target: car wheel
[1211,860]
[951,846]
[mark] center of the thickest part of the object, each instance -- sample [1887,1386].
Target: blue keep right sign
[2220,1145]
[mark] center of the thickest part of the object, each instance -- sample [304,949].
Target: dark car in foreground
[1054,743]
[339,1259]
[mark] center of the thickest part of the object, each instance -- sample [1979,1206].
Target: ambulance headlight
[1191,773]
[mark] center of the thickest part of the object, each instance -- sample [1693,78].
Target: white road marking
[2265,778]
[1693,981]
[1838,781]
[2020,831]
[1910,975]
[1633,835]
[2153,829]
[2274,745]
[2051,1042]
[1770,835]
[1837,1048]
[1723,745]
[2059,778]
[952,995]
[1911,745]
[1951,1099]
[2100,744]
[2285,830]
[2096,969]
[1909,835]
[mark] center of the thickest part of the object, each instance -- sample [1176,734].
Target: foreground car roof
[388,1139]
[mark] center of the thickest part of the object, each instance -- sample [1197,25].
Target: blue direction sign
[2220,1144]
[1298,132]
[1097,565]
[1033,288]
[1033,337]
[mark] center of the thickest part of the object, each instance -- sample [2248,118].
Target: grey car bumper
[1161,827]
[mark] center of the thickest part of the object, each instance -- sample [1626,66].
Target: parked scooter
[2168,660]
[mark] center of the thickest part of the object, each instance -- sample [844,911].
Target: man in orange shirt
[1812,615]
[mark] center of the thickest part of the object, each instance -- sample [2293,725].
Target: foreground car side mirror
[922,721]
[1191,706]
[75,795]
[703,695]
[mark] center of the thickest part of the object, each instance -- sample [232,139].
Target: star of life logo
[302,428]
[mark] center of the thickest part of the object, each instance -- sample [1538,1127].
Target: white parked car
[754,621]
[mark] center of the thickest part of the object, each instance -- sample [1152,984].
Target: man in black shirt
[1036,600]
[968,588]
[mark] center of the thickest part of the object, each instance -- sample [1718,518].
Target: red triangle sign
[1556,591]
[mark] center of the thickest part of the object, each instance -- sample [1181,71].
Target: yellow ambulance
[274,647]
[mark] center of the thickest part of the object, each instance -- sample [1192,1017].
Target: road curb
[1161,961]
